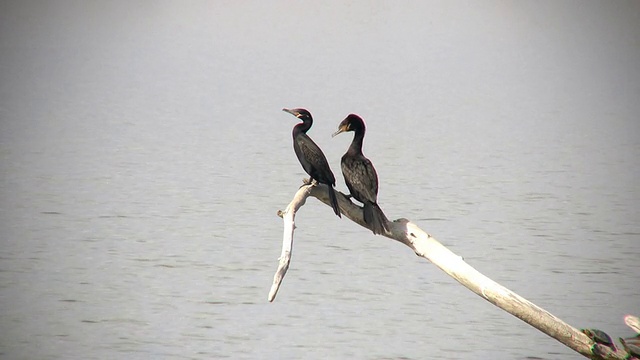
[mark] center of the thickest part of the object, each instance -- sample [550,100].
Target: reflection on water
[144,159]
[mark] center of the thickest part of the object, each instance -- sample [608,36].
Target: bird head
[302,114]
[352,122]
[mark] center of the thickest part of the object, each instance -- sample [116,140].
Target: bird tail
[375,217]
[334,200]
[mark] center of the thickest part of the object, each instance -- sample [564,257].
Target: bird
[311,157]
[360,175]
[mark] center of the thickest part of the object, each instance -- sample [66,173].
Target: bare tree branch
[288,216]
[426,246]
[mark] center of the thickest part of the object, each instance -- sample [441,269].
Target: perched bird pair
[358,171]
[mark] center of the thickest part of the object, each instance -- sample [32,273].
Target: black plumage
[310,156]
[360,175]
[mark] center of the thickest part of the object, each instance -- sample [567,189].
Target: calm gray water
[143,156]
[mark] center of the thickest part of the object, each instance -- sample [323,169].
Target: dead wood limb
[426,246]
[288,216]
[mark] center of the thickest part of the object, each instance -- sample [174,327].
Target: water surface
[143,156]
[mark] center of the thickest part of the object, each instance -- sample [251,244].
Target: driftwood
[426,246]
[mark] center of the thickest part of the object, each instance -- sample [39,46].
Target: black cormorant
[311,157]
[360,175]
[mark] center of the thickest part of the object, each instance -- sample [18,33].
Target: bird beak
[341,129]
[291,112]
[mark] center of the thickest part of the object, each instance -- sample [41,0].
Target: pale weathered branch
[288,216]
[426,246]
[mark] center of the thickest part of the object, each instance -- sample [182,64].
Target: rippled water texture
[143,157]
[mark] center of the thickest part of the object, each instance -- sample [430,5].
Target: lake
[144,154]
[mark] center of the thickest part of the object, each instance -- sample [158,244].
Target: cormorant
[310,156]
[361,176]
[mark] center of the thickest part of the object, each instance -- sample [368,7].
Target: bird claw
[309,181]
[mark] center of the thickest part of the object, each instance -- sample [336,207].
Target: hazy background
[143,156]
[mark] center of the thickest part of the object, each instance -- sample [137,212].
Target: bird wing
[361,178]
[313,160]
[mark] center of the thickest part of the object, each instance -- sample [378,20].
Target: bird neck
[356,144]
[302,127]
